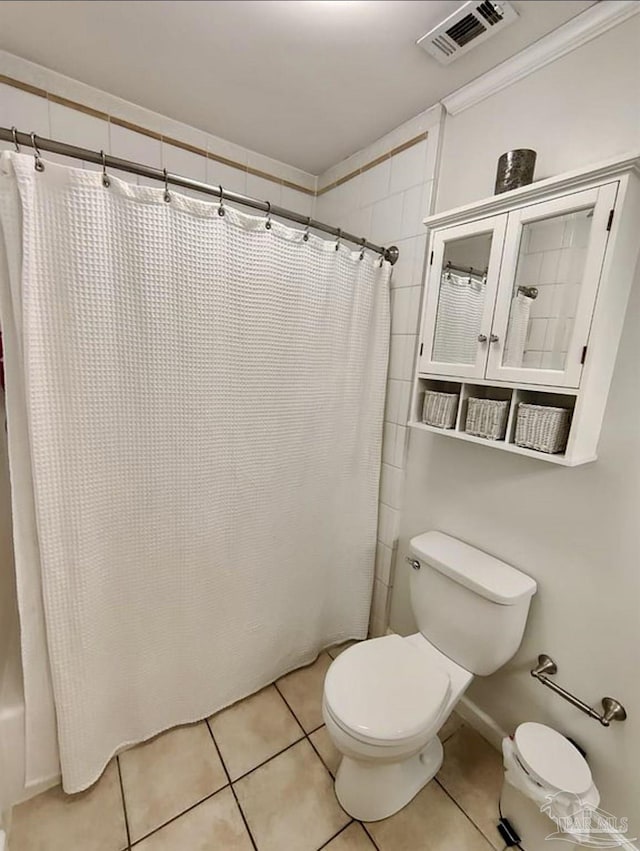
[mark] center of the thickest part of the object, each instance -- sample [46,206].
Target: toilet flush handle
[415,564]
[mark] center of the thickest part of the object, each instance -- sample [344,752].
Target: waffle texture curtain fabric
[460,309]
[195,409]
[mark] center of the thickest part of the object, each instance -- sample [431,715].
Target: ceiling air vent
[473,23]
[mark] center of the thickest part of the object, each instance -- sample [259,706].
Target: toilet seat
[385,691]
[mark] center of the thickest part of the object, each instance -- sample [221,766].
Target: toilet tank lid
[493,579]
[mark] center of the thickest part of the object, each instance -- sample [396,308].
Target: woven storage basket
[487,418]
[440,409]
[542,427]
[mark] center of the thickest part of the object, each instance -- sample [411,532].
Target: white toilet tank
[471,606]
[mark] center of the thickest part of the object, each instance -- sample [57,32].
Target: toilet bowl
[384,702]
[385,699]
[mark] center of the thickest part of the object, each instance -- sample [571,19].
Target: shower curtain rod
[467,270]
[36,143]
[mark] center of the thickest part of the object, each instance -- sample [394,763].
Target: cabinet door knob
[494,338]
[482,338]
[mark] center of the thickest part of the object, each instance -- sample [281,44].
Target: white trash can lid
[551,759]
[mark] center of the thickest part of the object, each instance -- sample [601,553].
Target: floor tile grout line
[268,759]
[291,710]
[317,752]
[307,736]
[179,815]
[335,835]
[465,813]
[230,784]
[233,791]
[303,737]
[371,839]
[124,804]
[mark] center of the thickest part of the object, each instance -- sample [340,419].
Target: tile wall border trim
[372,163]
[152,134]
[194,149]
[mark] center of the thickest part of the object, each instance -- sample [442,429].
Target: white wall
[577,531]
[581,108]
[49,118]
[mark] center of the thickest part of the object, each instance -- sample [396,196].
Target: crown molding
[580,178]
[591,23]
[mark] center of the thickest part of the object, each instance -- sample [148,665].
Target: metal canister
[515,169]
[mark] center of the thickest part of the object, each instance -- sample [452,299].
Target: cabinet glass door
[548,285]
[461,286]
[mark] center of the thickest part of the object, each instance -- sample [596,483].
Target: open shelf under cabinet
[514,395]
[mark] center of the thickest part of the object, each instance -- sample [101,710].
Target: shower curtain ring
[384,251]
[167,194]
[268,222]
[14,133]
[306,230]
[338,238]
[38,164]
[106,181]
[363,242]
[221,210]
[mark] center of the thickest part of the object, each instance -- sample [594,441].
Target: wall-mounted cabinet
[525,298]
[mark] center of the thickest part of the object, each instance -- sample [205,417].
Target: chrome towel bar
[613,709]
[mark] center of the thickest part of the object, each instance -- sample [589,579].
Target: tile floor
[258,775]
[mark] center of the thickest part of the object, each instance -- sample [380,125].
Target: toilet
[385,699]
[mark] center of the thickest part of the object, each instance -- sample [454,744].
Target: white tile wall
[428,121]
[386,220]
[417,201]
[228,177]
[408,168]
[130,145]
[374,183]
[401,356]
[408,271]
[384,555]
[299,202]
[388,524]
[78,128]
[25,111]
[380,604]
[185,163]
[391,485]
[405,305]
[45,78]
[358,221]
[47,118]
[265,190]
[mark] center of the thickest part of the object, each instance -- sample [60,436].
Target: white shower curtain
[195,413]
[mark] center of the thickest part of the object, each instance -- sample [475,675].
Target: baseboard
[481,722]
